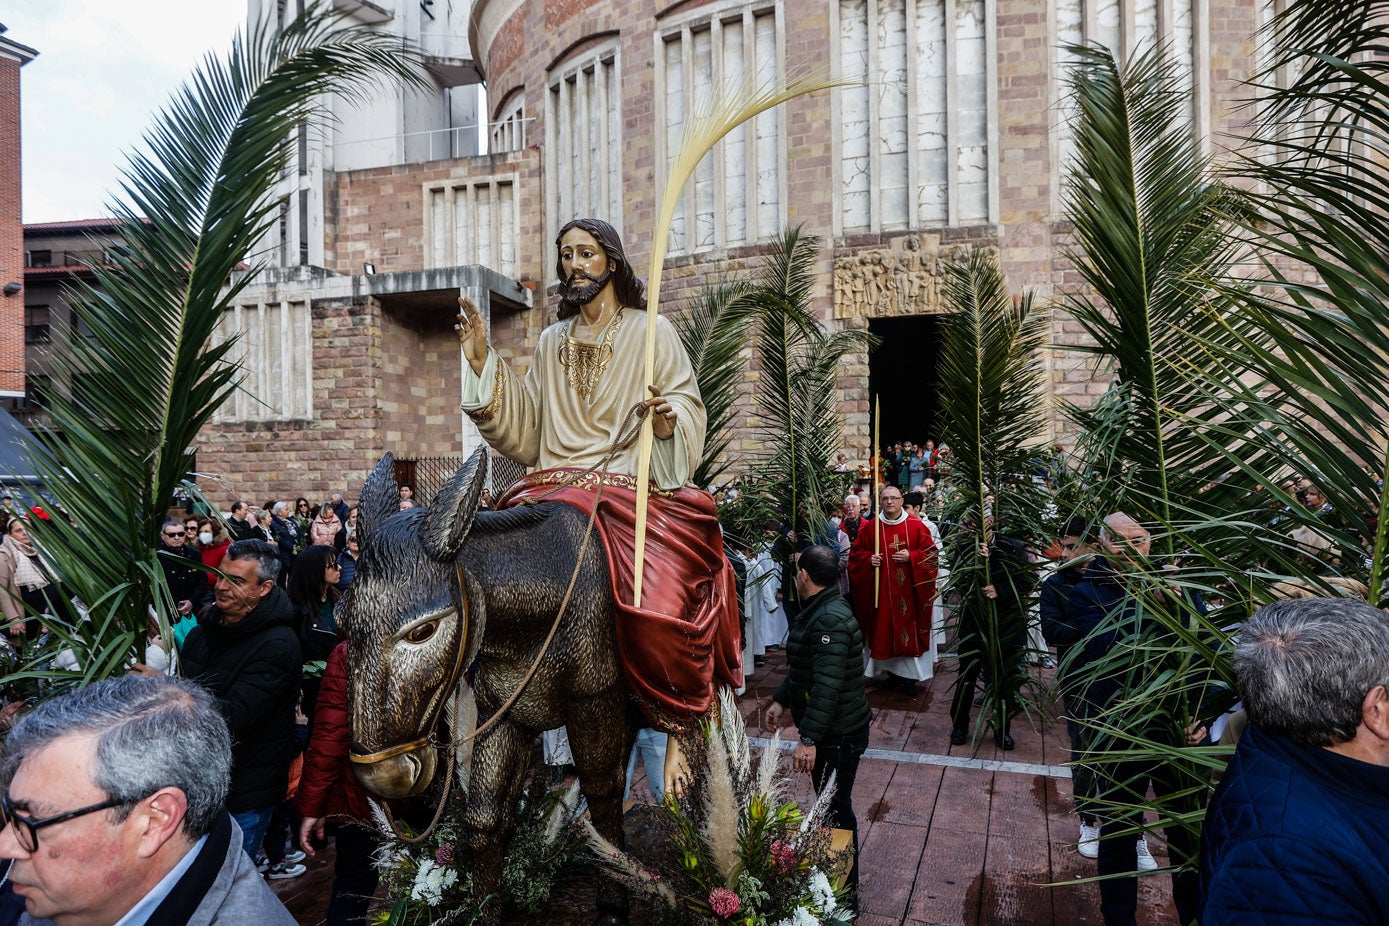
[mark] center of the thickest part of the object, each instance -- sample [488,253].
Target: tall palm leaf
[714,330]
[796,410]
[1147,214]
[991,402]
[195,205]
[1322,207]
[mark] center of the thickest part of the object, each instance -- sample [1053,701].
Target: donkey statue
[442,588]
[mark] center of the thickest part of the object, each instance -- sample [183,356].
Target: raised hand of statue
[663,416]
[472,333]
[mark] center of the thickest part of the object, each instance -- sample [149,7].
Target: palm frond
[194,206]
[714,331]
[991,402]
[796,410]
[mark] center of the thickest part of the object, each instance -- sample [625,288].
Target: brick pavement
[948,835]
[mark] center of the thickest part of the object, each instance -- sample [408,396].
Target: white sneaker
[1089,840]
[1146,862]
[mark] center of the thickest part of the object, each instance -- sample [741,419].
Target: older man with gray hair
[113,811]
[1295,832]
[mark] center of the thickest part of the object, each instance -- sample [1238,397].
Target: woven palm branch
[191,210]
[725,109]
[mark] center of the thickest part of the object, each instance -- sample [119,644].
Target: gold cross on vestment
[897,545]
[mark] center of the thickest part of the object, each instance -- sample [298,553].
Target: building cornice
[484,23]
[21,53]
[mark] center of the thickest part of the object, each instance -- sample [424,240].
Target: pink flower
[724,902]
[444,854]
[783,857]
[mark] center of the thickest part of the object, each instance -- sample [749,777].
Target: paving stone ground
[949,835]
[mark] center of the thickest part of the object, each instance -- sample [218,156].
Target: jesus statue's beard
[581,293]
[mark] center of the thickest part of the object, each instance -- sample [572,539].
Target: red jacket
[328,788]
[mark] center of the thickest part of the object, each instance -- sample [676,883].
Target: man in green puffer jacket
[824,689]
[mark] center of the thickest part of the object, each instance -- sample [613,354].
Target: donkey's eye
[422,633]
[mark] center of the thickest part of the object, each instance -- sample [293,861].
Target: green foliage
[1244,333]
[429,881]
[991,408]
[795,412]
[740,851]
[194,206]
[714,330]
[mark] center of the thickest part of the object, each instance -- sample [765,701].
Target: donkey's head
[414,620]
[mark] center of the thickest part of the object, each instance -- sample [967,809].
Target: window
[42,258]
[1125,27]
[472,223]
[583,135]
[275,347]
[913,148]
[509,130]
[735,197]
[36,330]
[37,388]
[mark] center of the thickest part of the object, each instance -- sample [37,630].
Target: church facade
[954,137]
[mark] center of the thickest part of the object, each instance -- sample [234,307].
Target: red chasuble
[901,623]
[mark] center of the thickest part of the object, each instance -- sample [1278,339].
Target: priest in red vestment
[897,631]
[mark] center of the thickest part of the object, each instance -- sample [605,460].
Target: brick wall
[378,215]
[334,451]
[11,231]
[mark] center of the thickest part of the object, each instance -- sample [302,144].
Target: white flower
[822,891]
[801,917]
[431,881]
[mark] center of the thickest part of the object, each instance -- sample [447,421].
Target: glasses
[175,533]
[26,831]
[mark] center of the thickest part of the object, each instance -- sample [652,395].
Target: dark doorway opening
[903,376]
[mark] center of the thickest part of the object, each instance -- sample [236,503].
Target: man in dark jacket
[1060,631]
[1011,581]
[1105,609]
[183,568]
[824,688]
[1295,832]
[240,525]
[246,652]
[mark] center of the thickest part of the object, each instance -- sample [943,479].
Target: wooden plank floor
[939,844]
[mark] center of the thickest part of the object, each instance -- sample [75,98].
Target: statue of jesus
[566,417]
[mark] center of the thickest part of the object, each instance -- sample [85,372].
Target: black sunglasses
[175,533]
[26,831]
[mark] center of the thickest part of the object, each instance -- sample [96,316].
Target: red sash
[684,638]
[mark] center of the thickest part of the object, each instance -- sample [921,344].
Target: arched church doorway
[903,375]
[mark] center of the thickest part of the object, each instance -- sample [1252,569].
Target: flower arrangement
[429,881]
[743,853]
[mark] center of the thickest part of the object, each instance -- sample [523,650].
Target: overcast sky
[104,68]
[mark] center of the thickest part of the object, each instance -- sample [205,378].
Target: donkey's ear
[380,499]
[448,519]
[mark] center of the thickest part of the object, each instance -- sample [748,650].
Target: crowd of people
[1079,598]
[254,592]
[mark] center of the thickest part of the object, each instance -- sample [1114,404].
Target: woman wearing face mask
[213,541]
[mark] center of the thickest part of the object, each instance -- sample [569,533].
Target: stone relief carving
[902,279]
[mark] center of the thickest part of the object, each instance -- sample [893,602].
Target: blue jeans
[253,824]
[652,746]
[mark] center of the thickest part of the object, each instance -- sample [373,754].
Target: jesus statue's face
[586,266]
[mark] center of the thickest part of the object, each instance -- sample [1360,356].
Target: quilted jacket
[1294,836]
[329,788]
[824,682]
